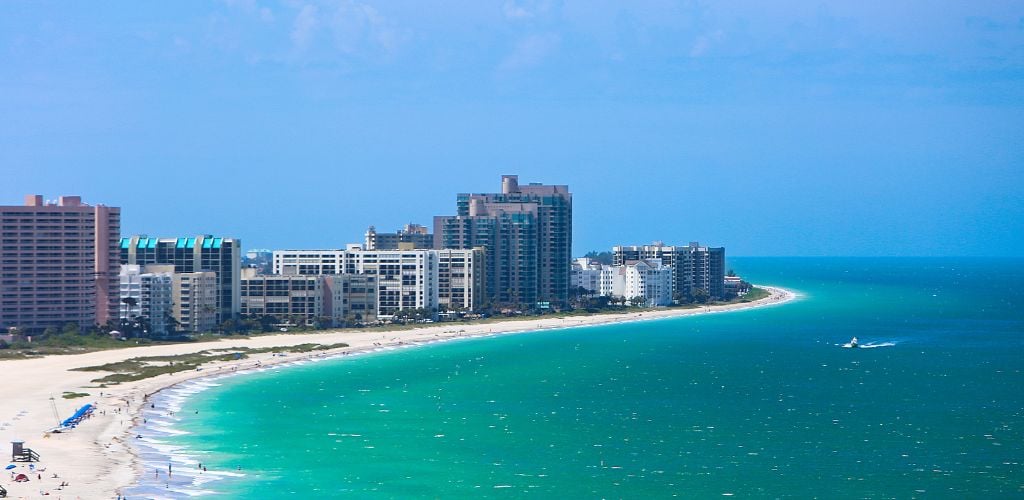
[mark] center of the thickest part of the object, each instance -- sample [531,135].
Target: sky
[796,128]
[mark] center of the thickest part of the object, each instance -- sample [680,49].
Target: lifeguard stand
[19,453]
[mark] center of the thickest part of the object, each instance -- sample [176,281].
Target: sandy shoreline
[97,459]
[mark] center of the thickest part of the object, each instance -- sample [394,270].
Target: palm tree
[129,303]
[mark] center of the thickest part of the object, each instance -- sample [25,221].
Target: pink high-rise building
[58,263]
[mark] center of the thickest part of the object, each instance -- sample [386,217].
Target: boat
[853,343]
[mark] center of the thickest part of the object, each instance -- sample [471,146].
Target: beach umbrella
[9,467]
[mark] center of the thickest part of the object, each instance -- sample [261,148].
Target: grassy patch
[755,293]
[151,366]
[73,395]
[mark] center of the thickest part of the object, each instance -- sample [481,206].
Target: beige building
[195,301]
[461,279]
[352,298]
[58,263]
[308,300]
[293,299]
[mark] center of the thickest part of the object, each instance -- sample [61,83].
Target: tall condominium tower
[526,232]
[190,255]
[693,266]
[58,263]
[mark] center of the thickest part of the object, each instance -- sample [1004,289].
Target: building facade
[586,274]
[693,266]
[526,232]
[460,279]
[201,253]
[415,235]
[194,298]
[58,263]
[147,296]
[404,279]
[295,299]
[351,298]
[648,280]
[310,300]
[308,262]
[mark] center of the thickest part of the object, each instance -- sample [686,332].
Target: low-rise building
[296,299]
[586,274]
[310,300]
[648,280]
[733,286]
[352,298]
[147,296]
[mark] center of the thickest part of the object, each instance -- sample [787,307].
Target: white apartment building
[639,278]
[648,279]
[146,294]
[586,274]
[461,279]
[405,279]
[309,262]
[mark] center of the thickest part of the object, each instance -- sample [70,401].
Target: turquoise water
[755,403]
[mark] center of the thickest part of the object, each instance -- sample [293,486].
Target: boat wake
[868,345]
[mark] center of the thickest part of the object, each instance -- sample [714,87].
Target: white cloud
[304,26]
[347,26]
[530,51]
[525,9]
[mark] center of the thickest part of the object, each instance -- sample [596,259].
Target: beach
[97,460]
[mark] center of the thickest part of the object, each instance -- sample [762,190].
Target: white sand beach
[96,460]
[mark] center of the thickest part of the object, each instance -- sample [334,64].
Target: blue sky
[772,128]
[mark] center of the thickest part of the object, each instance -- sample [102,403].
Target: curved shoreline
[98,459]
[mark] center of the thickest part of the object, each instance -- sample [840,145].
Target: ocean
[756,403]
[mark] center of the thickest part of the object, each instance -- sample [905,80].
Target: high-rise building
[195,300]
[201,253]
[460,279]
[417,236]
[693,266]
[58,263]
[526,232]
[405,279]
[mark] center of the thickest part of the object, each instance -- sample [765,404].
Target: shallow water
[763,402]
